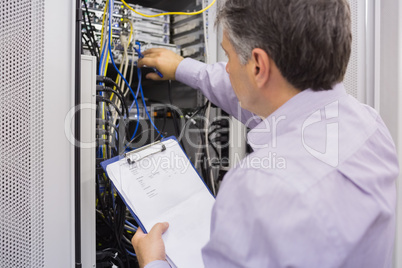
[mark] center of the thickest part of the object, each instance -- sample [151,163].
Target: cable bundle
[115,226]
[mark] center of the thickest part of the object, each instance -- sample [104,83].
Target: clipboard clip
[131,162]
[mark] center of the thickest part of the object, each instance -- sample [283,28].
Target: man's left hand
[150,247]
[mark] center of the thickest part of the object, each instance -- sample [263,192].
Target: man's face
[239,76]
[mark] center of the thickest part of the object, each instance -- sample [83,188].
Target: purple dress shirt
[318,190]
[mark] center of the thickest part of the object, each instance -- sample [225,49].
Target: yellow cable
[107,62]
[108,52]
[103,20]
[169,13]
[106,65]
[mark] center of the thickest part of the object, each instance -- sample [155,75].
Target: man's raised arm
[211,79]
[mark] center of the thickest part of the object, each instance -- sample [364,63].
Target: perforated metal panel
[351,77]
[21,133]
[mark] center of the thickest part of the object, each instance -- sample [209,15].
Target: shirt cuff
[188,71]
[158,264]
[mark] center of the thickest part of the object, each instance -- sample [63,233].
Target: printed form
[162,186]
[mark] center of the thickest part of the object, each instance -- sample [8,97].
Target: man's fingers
[159,229]
[166,61]
[152,50]
[138,235]
[154,76]
[148,61]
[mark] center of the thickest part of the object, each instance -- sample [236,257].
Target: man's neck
[276,99]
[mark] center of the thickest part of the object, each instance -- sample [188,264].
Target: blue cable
[141,56]
[112,191]
[101,59]
[131,225]
[140,86]
[138,69]
[139,82]
[130,253]
[100,71]
[145,106]
[117,69]
[138,89]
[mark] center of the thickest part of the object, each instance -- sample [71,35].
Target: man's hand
[150,247]
[166,61]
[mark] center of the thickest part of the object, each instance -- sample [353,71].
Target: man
[331,201]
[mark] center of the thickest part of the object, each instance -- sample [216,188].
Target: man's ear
[260,67]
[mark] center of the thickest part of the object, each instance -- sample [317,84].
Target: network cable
[141,56]
[92,35]
[118,95]
[169,13]
[103,63]
[114,65]
[106,100]
[143,98]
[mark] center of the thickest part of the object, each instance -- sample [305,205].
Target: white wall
[58,151]
[390,97]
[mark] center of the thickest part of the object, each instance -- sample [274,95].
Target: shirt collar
[291,114]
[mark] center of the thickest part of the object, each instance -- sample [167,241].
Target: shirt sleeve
[157,264]
[214,83]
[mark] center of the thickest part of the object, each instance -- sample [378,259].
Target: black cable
[119,224]
[214,131]
[88,45]
[120,263]
[100,88]
[101,132]
[205,167]
[101,141]
[175,120]
[221,138]
[107,132]
[106,123]
[109,125]
[102,201]
[127,242]
[202,108]
[108,81]
[102,216]
[102,99]
[176,126]
[91,29]
[163,126]
[101,122]
[112,119]
[213,147]
[114,91]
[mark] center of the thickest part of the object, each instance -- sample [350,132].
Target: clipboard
[105,163]
[130,162]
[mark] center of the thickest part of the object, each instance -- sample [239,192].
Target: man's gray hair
[309,40]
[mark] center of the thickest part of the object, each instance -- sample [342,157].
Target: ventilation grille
[21,133]
[351,77]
